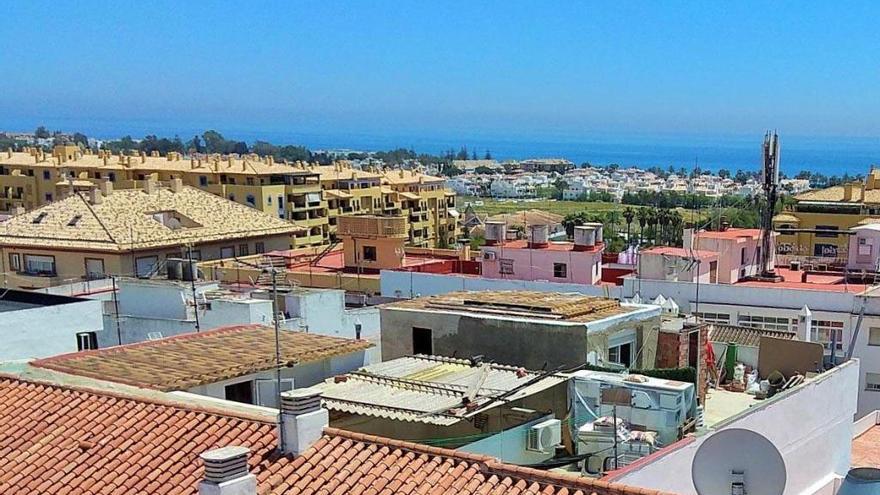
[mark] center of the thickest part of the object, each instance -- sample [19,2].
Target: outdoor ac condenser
[545,436]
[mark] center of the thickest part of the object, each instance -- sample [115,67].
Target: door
[144,266]
[94,268]
[266,390]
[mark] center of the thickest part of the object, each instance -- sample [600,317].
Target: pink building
[678,264]
[738,251]
[536,258]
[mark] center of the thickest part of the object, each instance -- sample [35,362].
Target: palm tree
[676,220]
[652,221]
[642,216]
[628,215]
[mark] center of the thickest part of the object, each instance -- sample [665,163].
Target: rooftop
[427,389]
[557,306]
[16,300]
[193,359]
[680,252]
[744,335]
[76,440]
[866,445]
[831,282]
[551,246]
[527,217]
[730,233]
[134,219]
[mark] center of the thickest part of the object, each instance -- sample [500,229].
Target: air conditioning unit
[545,436]
[489,255]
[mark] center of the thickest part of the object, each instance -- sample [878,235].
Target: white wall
[815,448]
[412,284]
[44,331]
[510,445]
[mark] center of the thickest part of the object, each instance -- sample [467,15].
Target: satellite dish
[738,461]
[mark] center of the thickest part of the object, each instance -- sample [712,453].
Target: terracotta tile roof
[519,303]
[190,360]
[127,219]
[64,440]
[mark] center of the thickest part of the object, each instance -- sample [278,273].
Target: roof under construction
[563,307]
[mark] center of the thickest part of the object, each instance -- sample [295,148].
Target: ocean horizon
[826,155]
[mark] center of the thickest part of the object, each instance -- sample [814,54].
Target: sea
[827,155]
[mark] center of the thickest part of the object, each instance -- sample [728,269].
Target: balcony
[371,226]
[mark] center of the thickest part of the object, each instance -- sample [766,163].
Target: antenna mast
[771,183]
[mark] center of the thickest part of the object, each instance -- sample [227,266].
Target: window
[621,354]
[824,331]
[144,265]
[242,249]
[767,322]
[266,390]
[240,392]
[743,256]
[86,341]
[97,175]
[30,172]
[141,177]
[874,336]
[94,268]
[39,265]
[723,318]
[259,248]
[249,181]
[506,266]
[422,341]
[203,180]
[15,262]
[112,176]
[47,175]
[251,200]
[369,253]
[227,252]
[560,270]
[872,382]
[195,254]
[48,197]
[269,199]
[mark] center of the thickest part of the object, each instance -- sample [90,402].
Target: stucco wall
[45,331]
[537,264]
[815,448]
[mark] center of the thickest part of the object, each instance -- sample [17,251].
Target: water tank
[584,237]
[495,232]
[598,227]
[861,481]
[190,270]
[174,268]
[539,236]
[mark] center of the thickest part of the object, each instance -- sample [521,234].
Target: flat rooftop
[866,448]
[17,300]
[722,404]
[563,307]
[193,359]
[831,282]
[551,246]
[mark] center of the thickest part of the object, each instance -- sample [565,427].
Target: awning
[387,190]
[453,212]
[409,195]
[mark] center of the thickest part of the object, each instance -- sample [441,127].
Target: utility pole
[274,273]
[195,272]
[116,310]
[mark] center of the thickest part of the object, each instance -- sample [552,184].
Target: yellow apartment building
[310,195]
[823,213]
[130,232]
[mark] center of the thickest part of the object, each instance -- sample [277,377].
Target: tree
[474,155]
[560,185]
[724,173]
[462,154]
[488,155]
[628,215]
[195,145]
[484,170]
[41,133]
[81,139]
[642,216]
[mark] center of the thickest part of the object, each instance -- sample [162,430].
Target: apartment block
[312,196]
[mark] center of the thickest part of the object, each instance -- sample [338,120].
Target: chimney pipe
[106,188]
[149,186]
[302,420]
[226,472]
[95,196]
[176,185]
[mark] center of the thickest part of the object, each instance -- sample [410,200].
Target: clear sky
[810,68]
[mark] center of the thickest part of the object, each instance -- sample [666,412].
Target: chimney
[8,152]
[95,196]
[495,232]
[226,472]
[104,157]
[848,192]
[805,321]
[17,210]
[143,157]
[149,186]
[597,227]
[176,185]
[538,236]
[302,420]
[106,187]
[584,238]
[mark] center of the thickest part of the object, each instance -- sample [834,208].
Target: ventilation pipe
[302,420]
[539,236]
[226,472]
[584,238]
[495,232]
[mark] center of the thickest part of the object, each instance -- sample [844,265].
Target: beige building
[130,232]
[312,196]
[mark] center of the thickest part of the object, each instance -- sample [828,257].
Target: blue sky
[808,68]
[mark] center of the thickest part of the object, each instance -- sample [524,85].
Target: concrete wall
[815,448]
[653,266]
[864,256]
[45,331]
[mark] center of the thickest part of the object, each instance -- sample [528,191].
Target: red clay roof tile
[108,455]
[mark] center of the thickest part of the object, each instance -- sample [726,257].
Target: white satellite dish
[738,461]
